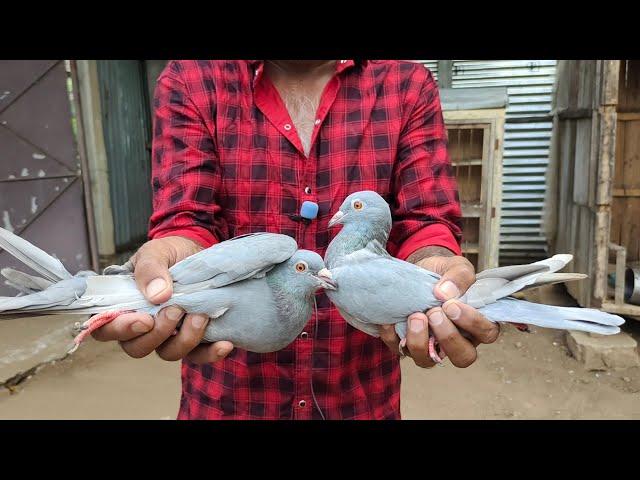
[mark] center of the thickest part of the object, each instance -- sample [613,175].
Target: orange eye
[301,267]
[358,205]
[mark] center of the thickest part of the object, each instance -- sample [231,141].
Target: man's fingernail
[198,321]
[155,286]
[140,327]
[449,289]
[452,310]
[436,318]
[416,325]
[173,313]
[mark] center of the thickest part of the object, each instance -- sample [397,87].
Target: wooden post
[445,73]
[96,154]
[621,264]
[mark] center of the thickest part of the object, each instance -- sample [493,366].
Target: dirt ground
[522,376]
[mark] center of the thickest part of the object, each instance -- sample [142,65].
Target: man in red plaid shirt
[238,146]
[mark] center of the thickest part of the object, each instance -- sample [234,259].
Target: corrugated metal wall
[526,150]
[127,134]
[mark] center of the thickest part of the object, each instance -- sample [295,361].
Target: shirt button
[317,122]
[287,126]
[343,61]
[307,190]
[302,404]
[304,335]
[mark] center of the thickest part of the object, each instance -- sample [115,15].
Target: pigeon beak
[337,218]
[326,279]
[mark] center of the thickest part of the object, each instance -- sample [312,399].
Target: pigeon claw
[92,324]
[433,351]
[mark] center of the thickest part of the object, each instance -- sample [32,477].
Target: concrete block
[603,352]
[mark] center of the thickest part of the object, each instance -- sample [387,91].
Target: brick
[603,352]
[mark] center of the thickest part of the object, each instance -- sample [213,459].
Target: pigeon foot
[433,351]
[92,324]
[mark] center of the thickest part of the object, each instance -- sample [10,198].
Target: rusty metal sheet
[18,75]
[41,189]
[43,118]
[22,160]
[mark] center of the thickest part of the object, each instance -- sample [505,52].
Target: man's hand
[457,327]
[139,333]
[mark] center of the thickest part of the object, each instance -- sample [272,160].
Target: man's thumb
[152,275]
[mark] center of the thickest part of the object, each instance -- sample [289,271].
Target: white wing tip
[563,257]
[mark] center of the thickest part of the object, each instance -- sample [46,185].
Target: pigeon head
[306,272]
[365,208]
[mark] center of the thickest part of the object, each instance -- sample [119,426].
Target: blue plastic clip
[309,210]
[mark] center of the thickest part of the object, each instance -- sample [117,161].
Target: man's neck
[302,68]
[300,84]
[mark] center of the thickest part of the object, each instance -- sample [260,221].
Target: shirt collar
[341,65]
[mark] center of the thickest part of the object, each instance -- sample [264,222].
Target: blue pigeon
[259,288]
[376,289]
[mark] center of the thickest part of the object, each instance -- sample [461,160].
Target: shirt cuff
[435,234]
[201,236]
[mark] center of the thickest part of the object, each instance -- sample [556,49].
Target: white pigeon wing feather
[25,280]
[49,267]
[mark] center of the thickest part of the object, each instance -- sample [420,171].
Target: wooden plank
[98,166]
[628,116]
[473,161]
[598,253]
[445,74]
[585,81]
[631,154]
[471,248]
[610,82]
[625,206]
[626,309]
[621,263]
[629,86]
[618,173]
[574,114]
[581,182]
[626,192]
[472,209]
[606,154]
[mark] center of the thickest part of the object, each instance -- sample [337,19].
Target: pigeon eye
[301,267]
[357,205]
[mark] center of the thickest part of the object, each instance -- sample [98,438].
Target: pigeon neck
[354,237]
[293,302]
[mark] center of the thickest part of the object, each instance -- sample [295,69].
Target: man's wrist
[430,251]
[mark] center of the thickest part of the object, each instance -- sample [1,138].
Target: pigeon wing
[234,260]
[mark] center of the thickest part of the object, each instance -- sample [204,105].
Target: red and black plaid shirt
[227,161]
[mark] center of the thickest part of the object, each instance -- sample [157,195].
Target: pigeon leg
[523,327]
[94,323]
[433,350]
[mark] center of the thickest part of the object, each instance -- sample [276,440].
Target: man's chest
[266,173]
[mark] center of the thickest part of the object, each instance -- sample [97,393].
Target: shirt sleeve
[186,176]
[425,207]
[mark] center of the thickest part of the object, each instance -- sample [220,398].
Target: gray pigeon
[376,289]
[259,289]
